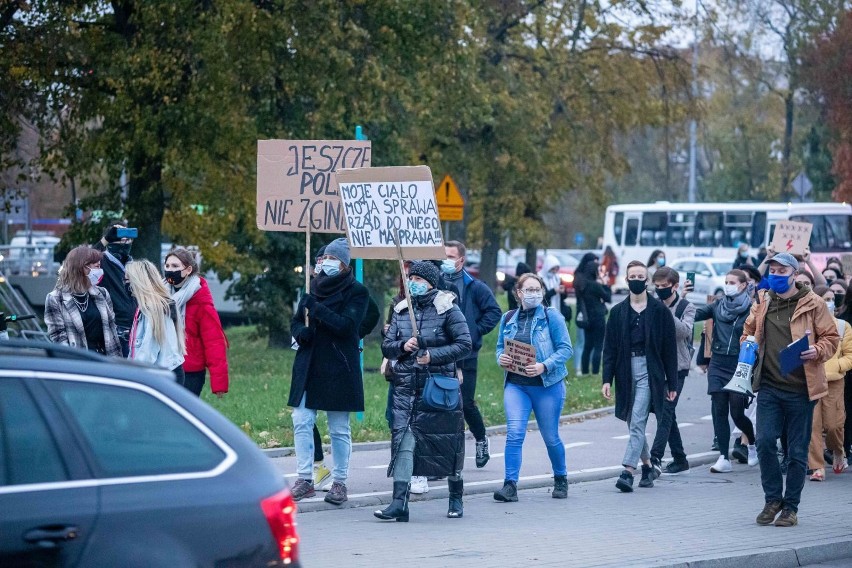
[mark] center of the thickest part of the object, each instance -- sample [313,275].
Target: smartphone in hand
[126,233]
[689,285]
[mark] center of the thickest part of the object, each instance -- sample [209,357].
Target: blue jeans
[778,411]
[547,403]
[303,435]
[637,444]
[579,346]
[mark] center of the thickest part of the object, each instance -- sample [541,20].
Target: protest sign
[846,261]
[296,186]
[380,204]
[522,354]
[791,236]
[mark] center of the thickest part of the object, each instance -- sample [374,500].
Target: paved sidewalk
[594,447]
[698,520]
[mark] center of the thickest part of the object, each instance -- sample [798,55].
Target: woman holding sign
[533,346]
[426,440]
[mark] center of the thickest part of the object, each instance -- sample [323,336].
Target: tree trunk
[488,257]
[531,256]
[786,174]
[145,203]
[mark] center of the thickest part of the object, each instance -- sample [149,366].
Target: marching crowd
[642,347]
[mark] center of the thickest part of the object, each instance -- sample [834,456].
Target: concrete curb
[774,557]
[316,504]
[500,429]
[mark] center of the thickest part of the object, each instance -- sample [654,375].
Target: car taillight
[280,512]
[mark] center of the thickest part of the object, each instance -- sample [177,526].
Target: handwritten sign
[846,260]
[382,203]
[791,236]
[296,185]
[522,354]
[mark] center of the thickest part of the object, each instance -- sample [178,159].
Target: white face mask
[731,289]
[95,275]
[831,306]
[331,267]
[531,301]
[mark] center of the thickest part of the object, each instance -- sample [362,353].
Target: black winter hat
[425,270]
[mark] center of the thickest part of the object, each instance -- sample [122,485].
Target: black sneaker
[482,455]
[337,494]
[828,456]
[647,476]
[715,446]
[656,469]
[509,493]
[303,489]
[740,452]
[676,467]
[625,482]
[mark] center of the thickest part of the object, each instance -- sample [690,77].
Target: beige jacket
[841,361]
[811,314]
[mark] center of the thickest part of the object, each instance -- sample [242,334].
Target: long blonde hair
[153,299]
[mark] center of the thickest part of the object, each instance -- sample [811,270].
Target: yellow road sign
[450,200]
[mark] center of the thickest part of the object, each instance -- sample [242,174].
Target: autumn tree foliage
[829,74]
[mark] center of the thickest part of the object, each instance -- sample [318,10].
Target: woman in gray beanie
[425,442]
[327,371]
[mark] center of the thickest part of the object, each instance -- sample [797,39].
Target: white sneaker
[722,465]
[752,455]
[419,485]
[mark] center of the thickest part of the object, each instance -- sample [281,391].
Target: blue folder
[791,356]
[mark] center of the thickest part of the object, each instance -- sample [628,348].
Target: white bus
[634,231]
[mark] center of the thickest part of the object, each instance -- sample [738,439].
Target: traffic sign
[450,201]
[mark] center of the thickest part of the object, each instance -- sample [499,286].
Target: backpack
[681,307]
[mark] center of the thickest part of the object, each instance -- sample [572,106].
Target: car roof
[20,355]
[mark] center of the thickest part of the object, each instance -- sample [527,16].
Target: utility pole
[692,123]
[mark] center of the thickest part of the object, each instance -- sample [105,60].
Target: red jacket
[206,344]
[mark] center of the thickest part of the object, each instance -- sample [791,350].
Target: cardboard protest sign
[846,260]
[296,186]
[522,354]
[791,236]
[380,204]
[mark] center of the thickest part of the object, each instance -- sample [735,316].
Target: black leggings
[735,403]
[318,454]
[593,346]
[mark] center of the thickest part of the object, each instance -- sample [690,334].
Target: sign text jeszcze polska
[296,185]
[380,204]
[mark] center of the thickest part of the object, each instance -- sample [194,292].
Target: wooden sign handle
[405,284]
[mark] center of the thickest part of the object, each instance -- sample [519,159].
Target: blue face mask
[779,283]
[417,288]
[448,266]
[331,267]
[661,261]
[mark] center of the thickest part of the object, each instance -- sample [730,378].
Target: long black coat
[328,363]
[660,352]
[439,435]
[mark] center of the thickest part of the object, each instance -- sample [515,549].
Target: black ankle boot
[398,508]
[456,509]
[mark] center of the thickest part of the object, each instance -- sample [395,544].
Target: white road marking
[708,417]
[576,445]
[377,466]
[626,436]
[500,481]
[684,424]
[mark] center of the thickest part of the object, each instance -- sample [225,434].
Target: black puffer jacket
[439,436]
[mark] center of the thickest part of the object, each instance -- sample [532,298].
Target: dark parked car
[108,463]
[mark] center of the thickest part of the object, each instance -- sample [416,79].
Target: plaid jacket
[65,324]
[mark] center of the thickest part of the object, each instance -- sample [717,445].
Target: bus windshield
[831,233]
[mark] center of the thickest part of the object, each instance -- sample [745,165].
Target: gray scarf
[185,293]
[731,307]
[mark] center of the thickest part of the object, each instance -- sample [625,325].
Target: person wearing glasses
[538,387]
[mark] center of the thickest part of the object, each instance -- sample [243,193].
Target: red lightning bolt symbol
[789,244]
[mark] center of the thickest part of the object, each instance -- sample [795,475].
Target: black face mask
[121,251]
[664,293]
[839,299]
[636,286]
[174,277]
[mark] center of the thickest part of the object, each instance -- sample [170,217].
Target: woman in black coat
[327,370]
[593,293]
[425,442]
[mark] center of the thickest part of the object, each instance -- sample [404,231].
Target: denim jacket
[145,348]
[550,338]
